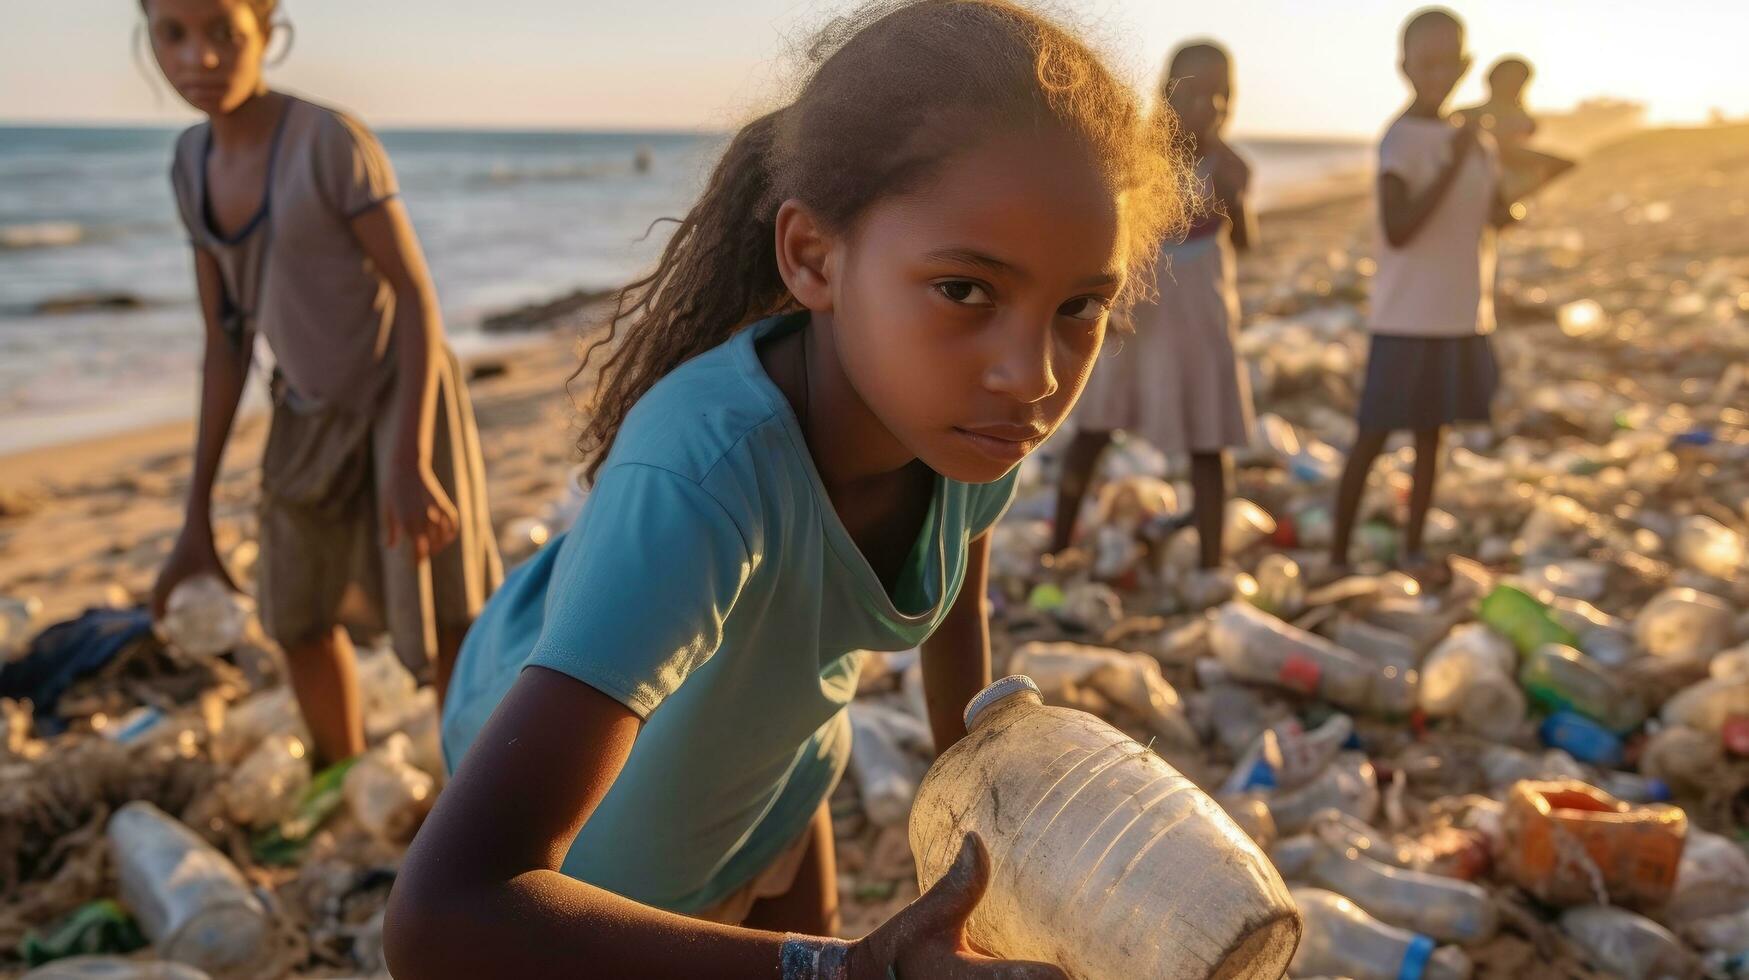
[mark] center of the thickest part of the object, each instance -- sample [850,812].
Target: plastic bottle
[1709,547]
[1561,678]
[1469,677]
[1503,765]
[1343,941]
[1523,619]
[1131,682]
[1707,705]
[1384,646]
[1711,880]
[204,617]
[1582,738]
[1628,946]
[1256,646]
[18,618]
[1281,588]
[885,769]
[264,789]
[1286,756]
[1732,663]
[189,899]
[387,794]
[1349,785]
[114,968]
[1247,524]
[1684,625]
[1446,909]
[254,718]
[1573,579]
[1084,871]
[1571,844]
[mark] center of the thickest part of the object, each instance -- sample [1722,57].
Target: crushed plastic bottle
[1093,678]
[1099,891]
[204,617]
[1343,941]
[1684,625]
[1559,678]
[887,749]
[1256,646]
[1286,756]
[265,788]
[1469,677]
[190,900]
[1348,785]
[387,794]
[1628,946]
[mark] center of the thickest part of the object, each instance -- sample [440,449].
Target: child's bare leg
[324,676]
[1367,447]
[1421,494]
[1078,463]
[1209,483]
[810,906]
[449,646]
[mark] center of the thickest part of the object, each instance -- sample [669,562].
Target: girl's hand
[927,939]
[193,554]
[416,507]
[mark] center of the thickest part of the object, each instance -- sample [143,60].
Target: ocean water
[505,218]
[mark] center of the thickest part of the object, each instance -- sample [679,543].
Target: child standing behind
[1176,382]
[1430,363]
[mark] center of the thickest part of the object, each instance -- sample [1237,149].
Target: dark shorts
[1426,382]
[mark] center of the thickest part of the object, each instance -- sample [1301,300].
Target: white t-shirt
[1440,284]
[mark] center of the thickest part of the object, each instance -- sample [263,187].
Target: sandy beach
[1653,229]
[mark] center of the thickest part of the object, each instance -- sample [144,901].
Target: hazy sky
[1304,66]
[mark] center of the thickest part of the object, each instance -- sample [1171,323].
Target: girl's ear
[804,249]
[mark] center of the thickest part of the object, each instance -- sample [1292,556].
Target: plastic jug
[1092,839]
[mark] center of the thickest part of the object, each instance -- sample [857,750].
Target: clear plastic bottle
[190,900]
[1286,756]
[204,617]
[1558,677]
[1092,839]
[1446,909]
[387,794]
[1281,589]
[1343,941]
[1684,625]
[886,773]
[1627,945]
[1708,704]
[1349,785]
[1709,547]
[264,789]
[1258,647]
[1469,677]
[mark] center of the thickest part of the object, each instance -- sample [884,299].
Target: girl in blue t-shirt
[888,294]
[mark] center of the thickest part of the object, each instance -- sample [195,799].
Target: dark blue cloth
[1426,382]
[67,651]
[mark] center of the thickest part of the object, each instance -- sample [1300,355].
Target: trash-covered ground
[1540,763]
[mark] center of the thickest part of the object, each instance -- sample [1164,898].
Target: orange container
[1570,843]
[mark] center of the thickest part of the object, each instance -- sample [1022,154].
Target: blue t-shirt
[709,586]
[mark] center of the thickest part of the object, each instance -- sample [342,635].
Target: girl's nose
[1021,368]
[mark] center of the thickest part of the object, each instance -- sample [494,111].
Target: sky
[1304,67]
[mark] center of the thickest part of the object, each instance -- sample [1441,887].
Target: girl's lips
[1001,447]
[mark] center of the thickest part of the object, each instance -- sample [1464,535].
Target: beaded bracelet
[814,958]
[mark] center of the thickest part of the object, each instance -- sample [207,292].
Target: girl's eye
[1084,308]
[964,292]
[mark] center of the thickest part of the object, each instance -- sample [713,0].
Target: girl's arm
[1232,187]
[956,659]
[1403,214]
[224,367]
[480,893]
[414,502]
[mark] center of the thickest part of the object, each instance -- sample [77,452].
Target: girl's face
[967,313]
[209,50]
[1202,97]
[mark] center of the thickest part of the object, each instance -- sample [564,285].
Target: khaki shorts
[320,527]
[775,880]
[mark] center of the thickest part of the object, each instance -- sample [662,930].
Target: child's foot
[1431,573]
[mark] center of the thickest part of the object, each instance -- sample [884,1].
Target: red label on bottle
[1735,734]
[1301,673]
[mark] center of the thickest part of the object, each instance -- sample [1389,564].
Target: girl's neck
[249,124]
[1425,110]
[851,448]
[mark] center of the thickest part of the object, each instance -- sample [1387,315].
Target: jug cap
[1012,684]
